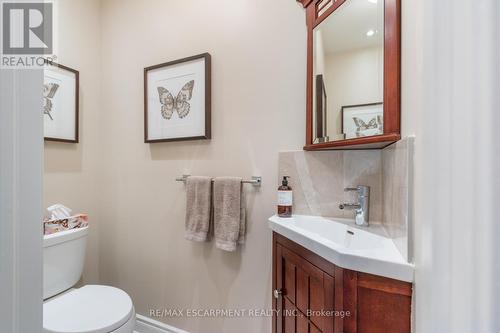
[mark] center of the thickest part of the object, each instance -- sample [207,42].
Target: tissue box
[72,222]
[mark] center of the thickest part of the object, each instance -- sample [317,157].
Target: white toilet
[89,309]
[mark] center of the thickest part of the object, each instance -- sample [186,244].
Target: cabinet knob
[277,293]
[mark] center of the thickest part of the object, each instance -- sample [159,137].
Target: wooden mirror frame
[392,76]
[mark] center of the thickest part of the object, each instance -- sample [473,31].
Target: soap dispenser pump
[285,198]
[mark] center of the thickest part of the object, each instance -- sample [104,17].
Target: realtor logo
[27,28]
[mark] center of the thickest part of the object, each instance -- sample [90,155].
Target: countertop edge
[398,271]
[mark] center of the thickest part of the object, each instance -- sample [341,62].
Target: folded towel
[198,207]
[229,213]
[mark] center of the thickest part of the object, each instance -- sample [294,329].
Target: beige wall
[136,208]
[259,79]
[258,54]
[127,187]
[71,170]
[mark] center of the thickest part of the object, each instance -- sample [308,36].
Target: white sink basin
[345,245]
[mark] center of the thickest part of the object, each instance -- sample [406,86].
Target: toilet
[88,309]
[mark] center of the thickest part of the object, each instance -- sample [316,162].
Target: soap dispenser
[285,198]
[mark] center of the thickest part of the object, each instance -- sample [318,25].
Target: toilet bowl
[88,309]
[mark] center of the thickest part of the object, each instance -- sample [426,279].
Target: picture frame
[362,120]
[177,100]
[321,110]
[61,89]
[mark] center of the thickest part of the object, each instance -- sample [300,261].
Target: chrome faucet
[362,208]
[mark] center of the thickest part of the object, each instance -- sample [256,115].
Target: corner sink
[345,245]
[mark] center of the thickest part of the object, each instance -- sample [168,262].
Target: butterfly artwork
[177,100]
[362,120]
[179,104]
[49,91]
[60,103]
[372,127]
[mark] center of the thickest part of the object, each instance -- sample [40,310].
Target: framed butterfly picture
[177,100]
[362,120]
[60,103]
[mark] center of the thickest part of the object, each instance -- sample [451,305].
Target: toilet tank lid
[64,236]
[89,309]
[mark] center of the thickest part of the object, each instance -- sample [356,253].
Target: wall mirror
[353,74]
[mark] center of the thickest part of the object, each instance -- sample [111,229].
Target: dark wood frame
[77,102]
[208,97]
[353,106]
[392,78]
[321,107]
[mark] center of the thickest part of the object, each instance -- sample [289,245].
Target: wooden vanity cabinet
[312,295]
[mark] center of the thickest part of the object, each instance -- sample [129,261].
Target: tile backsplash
[318,180]
[397,176]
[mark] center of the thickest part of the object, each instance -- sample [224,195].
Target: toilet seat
[89,309]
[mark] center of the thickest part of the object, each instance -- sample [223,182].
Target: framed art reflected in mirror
[321,110]
[362,120]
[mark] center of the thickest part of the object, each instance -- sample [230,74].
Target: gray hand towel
[229,213]
[198,208]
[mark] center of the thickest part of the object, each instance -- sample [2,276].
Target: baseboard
[144,324]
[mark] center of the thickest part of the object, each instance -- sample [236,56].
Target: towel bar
[255,181]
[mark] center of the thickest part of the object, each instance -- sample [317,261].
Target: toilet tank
[63,259]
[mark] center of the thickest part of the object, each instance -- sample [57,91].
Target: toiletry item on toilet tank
[285,198]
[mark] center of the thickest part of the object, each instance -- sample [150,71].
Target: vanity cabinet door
[377,304]
[304,295]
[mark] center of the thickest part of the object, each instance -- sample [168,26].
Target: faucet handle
[363,190]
